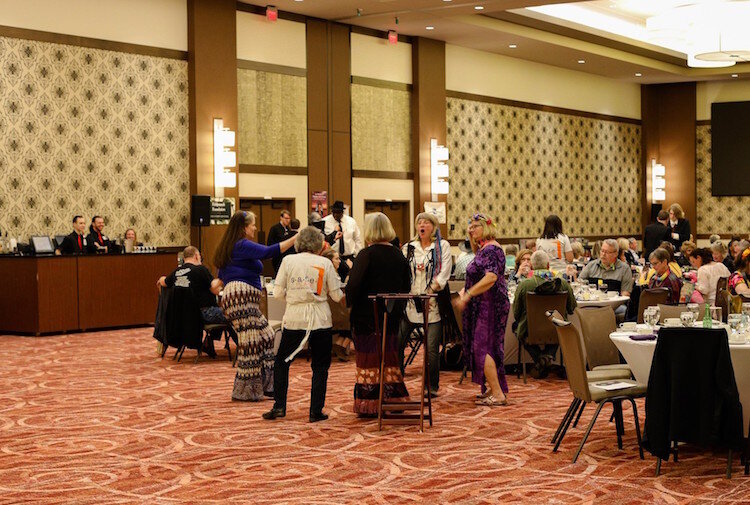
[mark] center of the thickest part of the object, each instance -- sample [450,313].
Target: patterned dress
[486,316]
[255,356]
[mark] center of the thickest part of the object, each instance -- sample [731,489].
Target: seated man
[98,243]
[192,274]
[616,274]
[664,276]
[75,243]
[541,282]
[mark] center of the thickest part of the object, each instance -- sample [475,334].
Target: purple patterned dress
[486,315]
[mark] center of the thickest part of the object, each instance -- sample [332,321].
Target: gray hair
[719,247]
[714,238]
[659,254]
[744,244]
[309,239]
[613,244]
[632,240]
[511,250]
[314,217]
[539,260]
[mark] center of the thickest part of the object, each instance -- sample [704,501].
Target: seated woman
[523,266]
[305,280]
[378,268]
[673,266]
[739,281]
[686,249]
[663,276]
[709,273]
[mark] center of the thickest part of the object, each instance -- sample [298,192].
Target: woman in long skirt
[239,261]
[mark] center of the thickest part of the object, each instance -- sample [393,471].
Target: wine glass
[657,313]
[687,318]
[746,315]
[603,287]
[695,309]
[715,313]
[734,321]
[649,317]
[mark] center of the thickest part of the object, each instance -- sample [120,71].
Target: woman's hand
[216,286]
[524,270]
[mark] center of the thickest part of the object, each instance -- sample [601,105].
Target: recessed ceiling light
[429,27]
[512,46]
[447,0]
[735,76]
[478,7]
[638,74]
[581,61]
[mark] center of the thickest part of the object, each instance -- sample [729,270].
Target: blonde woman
[238,258]
[679,227]
[429,257]
[378,268]
[485,306]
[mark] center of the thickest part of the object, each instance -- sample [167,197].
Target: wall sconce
[658,182]
[438,168]
[223,157]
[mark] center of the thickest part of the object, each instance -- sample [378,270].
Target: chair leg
[583,406]
[226,345]
[637,427]
[588,430]
[562,434]
[658,466]
[619,424]
[573,405]
[523,361]
[177,352]
[182,350]
[518,355]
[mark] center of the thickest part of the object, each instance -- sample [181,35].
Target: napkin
[649,336]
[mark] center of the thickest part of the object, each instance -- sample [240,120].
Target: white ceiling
[539,37]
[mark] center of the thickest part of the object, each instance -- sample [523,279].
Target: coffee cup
[630,326]
[672,322]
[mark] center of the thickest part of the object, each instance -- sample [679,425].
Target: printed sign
[221,210]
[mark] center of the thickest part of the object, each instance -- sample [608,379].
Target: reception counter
[68,293]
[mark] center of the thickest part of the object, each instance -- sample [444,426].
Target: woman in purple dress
[485,305]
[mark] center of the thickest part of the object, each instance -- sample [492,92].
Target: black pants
[536,351]
[319,344]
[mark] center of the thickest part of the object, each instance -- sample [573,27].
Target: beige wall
[380,189]
[482,73]
[159,23]
[280,43]
[707,93]
[375,58]
[277,186]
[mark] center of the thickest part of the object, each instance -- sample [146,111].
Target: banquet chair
[650,298]
[540,330]
[724,302]
[585,391]
[597,323]
[721,285]
[674,311]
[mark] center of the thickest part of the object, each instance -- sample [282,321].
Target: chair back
[541,330]
[723,300]
[573,356]
[721,285]
[457,312]
[339,316]
[674,311]
[597,323]
[650,298]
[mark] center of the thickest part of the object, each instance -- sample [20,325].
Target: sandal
[484,395]
[490,401]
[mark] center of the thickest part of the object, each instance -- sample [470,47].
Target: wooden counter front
[66,293]
[120,290]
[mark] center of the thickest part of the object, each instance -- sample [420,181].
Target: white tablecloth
[615,302]
[640,353]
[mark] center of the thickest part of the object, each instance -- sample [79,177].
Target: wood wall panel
[57,288]
[19,296]
[317,75]
[668,135]
[340,55]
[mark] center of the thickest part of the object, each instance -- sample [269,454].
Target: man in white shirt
[344,232]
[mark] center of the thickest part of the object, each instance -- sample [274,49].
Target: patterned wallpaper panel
[519,165]
[272,119]
[381,129]
[88,131]
[716,214]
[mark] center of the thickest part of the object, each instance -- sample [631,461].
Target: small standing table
[398,412]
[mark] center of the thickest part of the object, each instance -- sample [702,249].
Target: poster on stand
[437,209]
[319,202]
[221,210]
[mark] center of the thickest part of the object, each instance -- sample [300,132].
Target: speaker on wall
[200,210]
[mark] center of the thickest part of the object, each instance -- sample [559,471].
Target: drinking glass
[695,309]
[715,313]
[603,288]
[649,317]
[734,321]
[657,312]
[687,318]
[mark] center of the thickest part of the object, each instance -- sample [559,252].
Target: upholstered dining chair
[540,331]
[571,345]
[721,285]
[650,298]
[597,323]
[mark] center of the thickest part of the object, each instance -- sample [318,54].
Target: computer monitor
[59,240]
[42,244]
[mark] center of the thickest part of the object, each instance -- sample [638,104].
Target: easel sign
[319,202]
[438,210]
[221,210]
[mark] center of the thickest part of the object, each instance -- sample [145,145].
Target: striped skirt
[255,342]
[367,386]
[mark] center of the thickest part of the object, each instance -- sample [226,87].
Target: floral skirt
[367,386]
[255,356]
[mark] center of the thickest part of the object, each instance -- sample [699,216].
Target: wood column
[668,136]
[329,159]
[212,87]
[427,114]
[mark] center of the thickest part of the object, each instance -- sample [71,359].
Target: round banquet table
[640,353]
[615,302]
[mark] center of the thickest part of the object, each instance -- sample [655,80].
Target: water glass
[657,312]
[734,321]
[716,313]
[603,288]
[687,318]
[695,309]
[650,317]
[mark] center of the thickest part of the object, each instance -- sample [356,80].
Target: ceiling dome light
[478,8]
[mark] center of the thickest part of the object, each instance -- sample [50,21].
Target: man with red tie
[75,243]
[98,243]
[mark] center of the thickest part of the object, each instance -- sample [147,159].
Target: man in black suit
[75,243]
[97,241]
[279,233]
[655,233]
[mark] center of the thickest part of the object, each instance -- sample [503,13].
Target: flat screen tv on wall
[730,149]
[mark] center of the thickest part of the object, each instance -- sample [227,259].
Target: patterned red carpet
[99,418]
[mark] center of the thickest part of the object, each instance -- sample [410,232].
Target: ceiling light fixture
[735,76]
[581,62]
[429,27]
[638,74]
[478,8]
[512,46]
